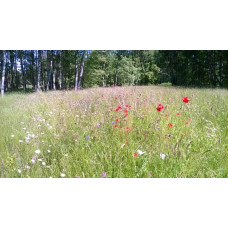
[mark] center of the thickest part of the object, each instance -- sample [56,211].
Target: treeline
[67,69]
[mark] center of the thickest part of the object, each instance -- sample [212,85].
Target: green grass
[60,122]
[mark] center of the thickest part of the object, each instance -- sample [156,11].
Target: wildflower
[27,167]
[158,128]
[149,174]
[186,122]
[66,155]
[48,151]
[122,146]
[117,120]
[140,152]
[37,151]
[135,154]
[113,122]
[21,141]
[105,129]
[162,156]
[115,125]
[48,167]
[160,107]
[125,110]
[77,176]
[87,137]
[98,125]
[185,99]
[40,159]
[12,136]
[104,175]
[184,133]
[19,171]
[178,114]
[166,115]
[43,163]
[62,174]
[170,125]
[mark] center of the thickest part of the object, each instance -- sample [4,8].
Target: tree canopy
[67,69]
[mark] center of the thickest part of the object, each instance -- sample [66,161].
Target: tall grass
[84,134]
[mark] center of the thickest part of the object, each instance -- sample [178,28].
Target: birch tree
[81,69]
[3,73]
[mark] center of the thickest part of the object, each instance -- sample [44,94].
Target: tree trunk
[81,69]
[15,69]
[11,70]
[116,76]
[23,72]
[38,71]
[76,72]
[3,73]
[220,68]
[60,73]
[33,74]
[54,75]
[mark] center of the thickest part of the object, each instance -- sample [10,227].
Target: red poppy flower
[119,107]
[135,154]
[166,114]
[186,122]
[117,120]
[160,107]
[178,114]
[115,125]
[185,99]
[170,125]
[125,110]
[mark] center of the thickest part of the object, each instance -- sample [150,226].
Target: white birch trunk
[3,74]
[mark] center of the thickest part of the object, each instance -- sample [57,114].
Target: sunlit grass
[77,137]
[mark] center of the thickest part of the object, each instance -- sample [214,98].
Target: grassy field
[115,132]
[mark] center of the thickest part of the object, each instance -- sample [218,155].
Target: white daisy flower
[21,141]
[162,156]
[40,159]
[62,174]
[43,163]
[19,171]
[140,152]
[48,151]
[122,146]
[37,151]
[12,136]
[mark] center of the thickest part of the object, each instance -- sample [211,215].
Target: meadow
[122,132]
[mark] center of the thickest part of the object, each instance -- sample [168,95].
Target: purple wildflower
[149,174]
[87,137]
[113,122]
[98,125]
[105,129]
[104,175]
